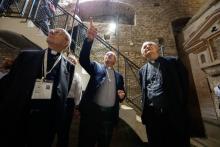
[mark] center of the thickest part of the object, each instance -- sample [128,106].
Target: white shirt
[2,74]
[76,89]
[217,91]
[105,95]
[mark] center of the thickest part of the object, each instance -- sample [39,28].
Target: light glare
[112,27]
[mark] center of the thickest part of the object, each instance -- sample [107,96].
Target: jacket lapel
[116,81]
[144,75]
[36,67]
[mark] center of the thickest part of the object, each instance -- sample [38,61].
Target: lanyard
[45,64]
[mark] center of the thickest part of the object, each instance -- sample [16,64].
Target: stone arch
[106,10]
[177,27]
[11,43]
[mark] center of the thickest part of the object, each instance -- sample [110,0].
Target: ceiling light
[112,27]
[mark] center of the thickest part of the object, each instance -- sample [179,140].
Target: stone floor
[123,136]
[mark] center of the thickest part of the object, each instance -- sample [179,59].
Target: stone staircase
[212,128]
[19,25]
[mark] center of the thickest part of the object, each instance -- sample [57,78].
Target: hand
[121,94]
[52,8]
[76,114]
[92,31]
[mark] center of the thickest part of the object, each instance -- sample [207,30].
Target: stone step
[126,134]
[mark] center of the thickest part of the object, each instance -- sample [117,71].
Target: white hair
[112,53]
[67,36]
[145,43]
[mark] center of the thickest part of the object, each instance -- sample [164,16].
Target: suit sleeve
[4,81]
[122,87]
[7,79]
[84,57]
[140,77]
[183,77]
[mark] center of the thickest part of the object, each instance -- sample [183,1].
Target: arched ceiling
[107,11]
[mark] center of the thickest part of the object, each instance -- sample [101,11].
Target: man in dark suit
[33,95]
[164,85]
[99,106]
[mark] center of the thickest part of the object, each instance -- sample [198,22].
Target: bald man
[99,106]
[33,107]
[164,85]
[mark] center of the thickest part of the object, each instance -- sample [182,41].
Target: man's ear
[66,43]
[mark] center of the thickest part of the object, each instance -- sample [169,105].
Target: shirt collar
[155,61]
[53,52]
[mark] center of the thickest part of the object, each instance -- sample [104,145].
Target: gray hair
[67,36]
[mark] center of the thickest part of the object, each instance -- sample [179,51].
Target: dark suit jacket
[180,108]
[97,74]
[16,91]
[175,76]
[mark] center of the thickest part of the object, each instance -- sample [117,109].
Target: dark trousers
[161,130]
[96,128]
[45,123]
[41,130]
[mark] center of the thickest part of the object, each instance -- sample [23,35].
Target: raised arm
[84,57]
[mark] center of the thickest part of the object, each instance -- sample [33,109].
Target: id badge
[42,89]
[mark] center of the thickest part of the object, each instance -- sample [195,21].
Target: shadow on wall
[16,41]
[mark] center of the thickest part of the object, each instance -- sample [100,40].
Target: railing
[42,16]
[10,7]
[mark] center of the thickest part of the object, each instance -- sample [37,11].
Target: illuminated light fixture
[112,27]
